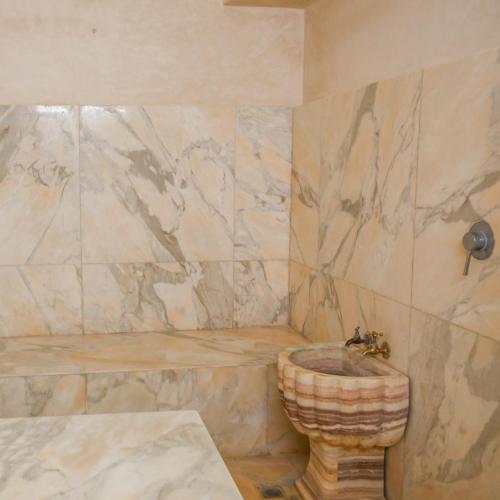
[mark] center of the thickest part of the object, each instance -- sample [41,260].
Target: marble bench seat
[126,456]
[228,376]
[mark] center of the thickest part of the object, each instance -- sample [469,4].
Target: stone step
[228,376]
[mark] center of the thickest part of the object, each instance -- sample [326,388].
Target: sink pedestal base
[335,472]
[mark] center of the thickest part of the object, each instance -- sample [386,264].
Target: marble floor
[267,477]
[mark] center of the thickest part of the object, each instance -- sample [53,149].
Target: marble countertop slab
[100,353]
[143,456]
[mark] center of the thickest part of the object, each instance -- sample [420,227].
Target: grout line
[78,108]
[290,200]
[415,196]
[131,262]
[86,381]
[235,159]
[267,419]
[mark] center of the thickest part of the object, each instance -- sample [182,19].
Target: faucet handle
[374,335]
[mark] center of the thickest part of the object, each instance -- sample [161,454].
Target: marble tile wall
[386,180]
[240,405]
[129,219]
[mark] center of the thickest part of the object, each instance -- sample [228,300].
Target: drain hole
[272,492]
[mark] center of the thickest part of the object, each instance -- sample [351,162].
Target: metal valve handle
[479,243]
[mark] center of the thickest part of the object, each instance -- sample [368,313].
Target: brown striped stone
[351,408]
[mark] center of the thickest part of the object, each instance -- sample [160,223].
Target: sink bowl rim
[377,363]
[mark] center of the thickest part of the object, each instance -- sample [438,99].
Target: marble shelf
[123,352]
[127,456]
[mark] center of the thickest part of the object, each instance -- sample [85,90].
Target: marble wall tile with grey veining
[39,188]
[356,307]
[42,396]
[459,184]
[157,183]
[314,305]
[325,309]
[40,300]
[368,174]
[304,213]
[157,297]
[260,293]
[373,312]
[453,435]
[263,169]
[301,296]
[231,400]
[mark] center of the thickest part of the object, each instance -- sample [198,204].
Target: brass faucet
[371,342]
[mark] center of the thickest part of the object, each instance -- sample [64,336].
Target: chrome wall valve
[479,243]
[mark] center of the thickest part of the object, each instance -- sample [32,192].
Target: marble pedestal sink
[351,407]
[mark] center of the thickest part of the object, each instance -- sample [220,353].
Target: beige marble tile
[348,306]
[393,320]
[301,298]
[39,189]
[304,214]
[458,184]
[151,351]
[281,436]
[314,305]
[260,293]
[263,170]
[42,396]
[146,455]
[40,300]
[157,183]
[351,44]
[267,477]
[232,401]
[189,51]
[161,297]
[328,319]
[368,173]
[356,307]
[453,435]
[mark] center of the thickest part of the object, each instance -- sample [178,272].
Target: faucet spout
[356,338]
[372,346]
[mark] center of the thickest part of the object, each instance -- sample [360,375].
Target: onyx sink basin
[351,407]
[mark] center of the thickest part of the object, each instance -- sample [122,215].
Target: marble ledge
[109,353]
[141,455]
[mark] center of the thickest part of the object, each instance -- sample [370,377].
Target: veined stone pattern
[119,219]
[407,165]
[135,455]
[229,376]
